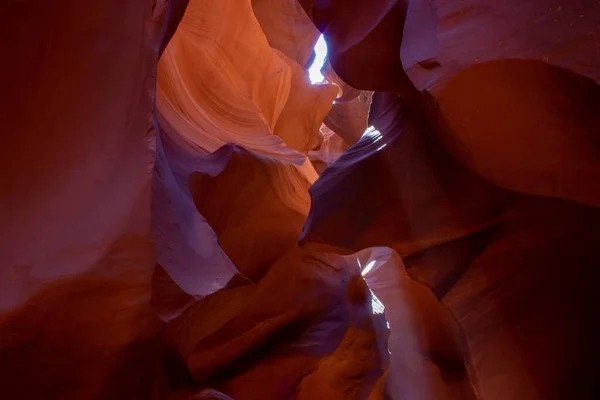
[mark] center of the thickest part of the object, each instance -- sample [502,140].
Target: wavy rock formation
[507,122]
[426,357]
[331,149]
[348,92]
[566,35]
[402,189]
[221,83]
[326,336]
[364,36]
[76,248]
[541,127]
[256,206]
[166,235]
[269,346]
[458,232]
[349,119]
[218,84]
[287,28]
[305,110]
[443,36]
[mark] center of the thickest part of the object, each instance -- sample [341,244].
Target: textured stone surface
[150,211]
[76,248]
[349,119]
[325,336]
[221,83]
[511,267]
[287,28]
[541,127]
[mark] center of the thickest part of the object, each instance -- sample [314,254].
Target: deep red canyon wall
[169,229]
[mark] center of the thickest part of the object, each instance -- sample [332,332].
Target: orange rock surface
[183,215]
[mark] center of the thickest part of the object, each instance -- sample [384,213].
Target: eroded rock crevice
[186,214]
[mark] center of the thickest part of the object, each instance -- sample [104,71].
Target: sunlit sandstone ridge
[420,224]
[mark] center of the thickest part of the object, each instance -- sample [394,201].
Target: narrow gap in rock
[376,304]
[377,307]
[314,71]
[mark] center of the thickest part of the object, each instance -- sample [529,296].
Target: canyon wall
[209,224]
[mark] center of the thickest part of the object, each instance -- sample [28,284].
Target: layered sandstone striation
[421,225]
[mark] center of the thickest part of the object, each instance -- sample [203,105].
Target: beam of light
[368,267]
[371,132]
[376,304]
[314,72]
[375,135]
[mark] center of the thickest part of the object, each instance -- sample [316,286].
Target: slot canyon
[300,199]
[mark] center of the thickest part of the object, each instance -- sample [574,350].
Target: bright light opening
[314,72]
[371,132]
[375,135]
[368,267]
[376,304]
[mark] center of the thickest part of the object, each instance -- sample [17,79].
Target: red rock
[537,134]
[77,252]
[153,254]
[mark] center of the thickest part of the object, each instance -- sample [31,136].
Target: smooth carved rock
[496,258]
[220,83]
[305,110]
[402,188]
[364,41]
[525,301]
[76,248]
[331,149]
[459,34]
[348,23]
[322,338]
[208,57]
[186,245]
[516,300]
[537,134]
[350,119]
[201,242]
[203,98]
[269,346]
[167,298]
[287,28]
[492,206]
[255,205]
[217,84]
[348,93]
[426,353]
[371,44]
